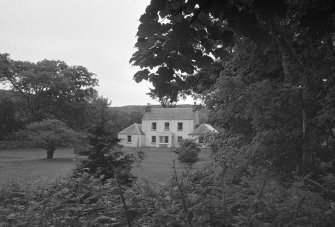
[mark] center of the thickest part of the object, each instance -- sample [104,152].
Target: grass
[157,164]
[29,167]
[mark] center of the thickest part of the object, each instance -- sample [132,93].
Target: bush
[188,152]
[74,201]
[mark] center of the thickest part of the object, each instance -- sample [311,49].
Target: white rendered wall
[188,126]
[136,140]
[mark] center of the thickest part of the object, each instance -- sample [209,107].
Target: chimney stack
[148,108]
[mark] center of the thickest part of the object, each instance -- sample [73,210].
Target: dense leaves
[105,159]
[265,68]
[188,152]
[74,201]
[212,196]
[13,114]
[50,134]
[50,87]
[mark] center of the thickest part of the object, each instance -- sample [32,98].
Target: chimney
[148,108]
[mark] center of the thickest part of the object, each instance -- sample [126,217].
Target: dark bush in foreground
[257,200]
[83,201]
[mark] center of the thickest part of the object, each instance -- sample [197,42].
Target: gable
[203,129]
[134,129]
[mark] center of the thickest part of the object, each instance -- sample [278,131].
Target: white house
[161,127]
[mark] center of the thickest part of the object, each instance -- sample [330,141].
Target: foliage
[264,68]
[140,156]
[119,120]
[177,38]
[212,197]
[49,87]
[220,196]
[105,159]
[50,134]
[188,152]
[12,114]
[73,201]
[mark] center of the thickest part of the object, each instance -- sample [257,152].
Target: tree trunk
[50,152]
[122,197]
[302,83]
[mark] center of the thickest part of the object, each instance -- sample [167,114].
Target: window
[166,126]
[163,139]
[153,126]
[180,126]
[153,139]
[128,139]
[179,139]
[201,139]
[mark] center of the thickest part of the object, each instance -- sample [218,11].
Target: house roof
[169,114]
[203,129]
[134,129]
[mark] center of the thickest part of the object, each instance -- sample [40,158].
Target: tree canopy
[179,38]
[265,68]
[50,134]
[49,87]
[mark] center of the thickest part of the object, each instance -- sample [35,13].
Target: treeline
[52,90]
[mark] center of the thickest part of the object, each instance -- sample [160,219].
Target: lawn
[29,167]
[157,165]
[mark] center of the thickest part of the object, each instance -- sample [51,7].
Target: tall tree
[285,47]
[49,87]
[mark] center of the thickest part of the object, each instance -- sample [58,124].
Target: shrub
[188,152]
[75,201]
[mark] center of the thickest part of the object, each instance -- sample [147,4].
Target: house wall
[173,133]
[136,140]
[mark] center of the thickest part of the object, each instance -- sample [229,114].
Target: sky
[97,34]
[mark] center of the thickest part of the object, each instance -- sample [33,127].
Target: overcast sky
[96,34]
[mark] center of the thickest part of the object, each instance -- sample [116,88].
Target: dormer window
[153,126]
[166,126]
